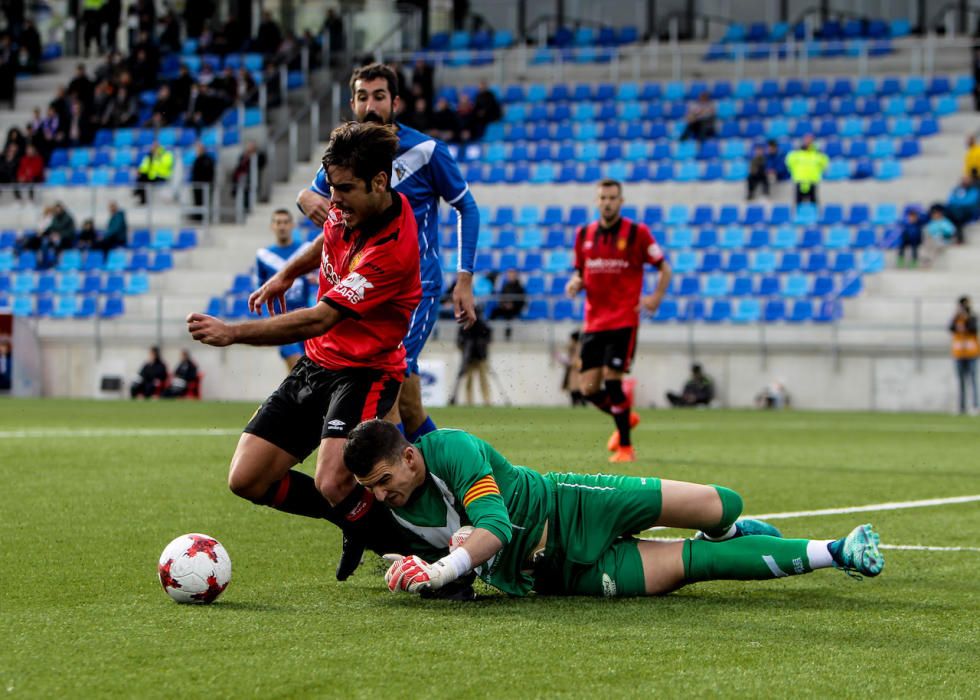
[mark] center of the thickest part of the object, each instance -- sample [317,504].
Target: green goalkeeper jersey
[468,482]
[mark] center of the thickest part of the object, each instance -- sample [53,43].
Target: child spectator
[911,237]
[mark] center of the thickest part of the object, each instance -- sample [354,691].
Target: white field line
[33,433]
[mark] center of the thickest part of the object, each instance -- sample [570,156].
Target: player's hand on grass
[574,286]
[269,293]
[210,330]
[412,574]
[315,206]
[464,305]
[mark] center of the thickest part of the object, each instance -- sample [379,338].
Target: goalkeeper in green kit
[571,534]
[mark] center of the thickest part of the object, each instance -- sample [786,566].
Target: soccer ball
[194,568]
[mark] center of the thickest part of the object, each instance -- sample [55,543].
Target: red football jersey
[375,284]
[611,264]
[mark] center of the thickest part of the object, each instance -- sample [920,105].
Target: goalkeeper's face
[372,101]
[393,482]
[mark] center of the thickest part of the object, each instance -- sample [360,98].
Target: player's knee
[731,505]
[333,486]
[245,480]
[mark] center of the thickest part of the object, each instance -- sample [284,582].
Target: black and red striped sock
[620,410]
[297,493]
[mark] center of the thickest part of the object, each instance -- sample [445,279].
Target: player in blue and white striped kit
[270,260]
[424,171]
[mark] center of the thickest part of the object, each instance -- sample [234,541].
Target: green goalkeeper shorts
[589,550]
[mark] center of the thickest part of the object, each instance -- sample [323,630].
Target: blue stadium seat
[816,262]
[113,307]
[736,262]
[812,238]
[684,262]
[677,215]
[667,311]
[681,238]
[559,261]
[506,238]
[536,310]
[137,283]
[851,286]
[795,285]
[721,310]
[843,262]
[785,238]
[715,285]
[186,239]
[885,215]
[764,261]
[710,262]
[162,261]
[92,284]
[823,285]
[68,283]
[775,310]
[693,311]
[141,238]
[838,238]
[742,286]
[70,260]
[802,311]
[789,262]
[733,237]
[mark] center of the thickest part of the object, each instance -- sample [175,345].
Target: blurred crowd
[58,232]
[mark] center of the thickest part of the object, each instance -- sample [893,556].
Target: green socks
[753,557]
[731,508]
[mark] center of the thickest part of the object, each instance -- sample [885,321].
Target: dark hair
[371,442]
[366,149]
[277,212]
[609,182]
[373,71]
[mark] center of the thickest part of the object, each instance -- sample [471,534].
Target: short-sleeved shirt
[370,275]
[269,261]
[468,482]
[424,171]
[611,262]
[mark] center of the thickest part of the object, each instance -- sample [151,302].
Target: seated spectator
[81,86]
[423,81]
[774,396]
[121,110]
[152,377]
[15,138]
[30,169]
[156,167]
[698,391]
[8,166]
[116,231]
[241,177]
[87,235]
[775,163]
[79,129]
[166,111]
[510,300]
[758,174]
[169,39]
[247,92]
[445,122]
[911,237]
[971,161]
[51,128]
[59,234]
[471,128]
[939,232]
[487,105]
[226,85]
[700,119]
[962,206]
[185,376]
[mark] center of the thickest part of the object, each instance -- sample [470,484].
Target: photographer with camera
[474,344]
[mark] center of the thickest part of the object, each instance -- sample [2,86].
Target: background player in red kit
[609,258]
[354,363]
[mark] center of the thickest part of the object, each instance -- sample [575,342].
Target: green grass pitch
[88,502]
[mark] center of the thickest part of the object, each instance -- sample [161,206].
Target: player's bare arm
[291,327]
[314,206]
[574,285]
[652,302]
[276,287]
[464,304]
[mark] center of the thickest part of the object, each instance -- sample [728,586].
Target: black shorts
[613,349]
[314,403]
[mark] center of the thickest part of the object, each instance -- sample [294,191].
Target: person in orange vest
[966,349]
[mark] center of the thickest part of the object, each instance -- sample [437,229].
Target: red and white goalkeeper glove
[412,574]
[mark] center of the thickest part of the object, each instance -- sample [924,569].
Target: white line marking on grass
[903,547]
[32,433]
[897,505]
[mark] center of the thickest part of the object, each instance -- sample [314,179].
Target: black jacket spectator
[184,376]
[81,86]
[487,106]
[269,36]
[512,298]
[152,377]
[8,165]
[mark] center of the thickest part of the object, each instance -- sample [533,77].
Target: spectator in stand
[8,71]
[423,81]
[775,165]
[196,15]
[59,234]
[122,110]
[313,48]
[419,118]
[758,174]
[202,177]
[81,86]
[962,206]
[185,377]
[51,129]
[700,119]
[116,230]
[30,170]
[156,167]
[142,71]
[226,85]
[169,39]
[487,105]
[965,350]
[938,233]
[8,166]
[30,41]
[971,160]
[911,237]
[92,23]
[241,177]
[87,235]
[471,129]
[15,138]
[152,377]
[976,77]
[806,166]
[333,27]
[180,88]
[269,35]
[247,93]
[78,131]
[111,17]
[698,391]
[445,122]
[166,111]
[510,300]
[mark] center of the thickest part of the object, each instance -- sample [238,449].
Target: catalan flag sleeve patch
[483,487]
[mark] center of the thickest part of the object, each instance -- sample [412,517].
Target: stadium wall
[531,375]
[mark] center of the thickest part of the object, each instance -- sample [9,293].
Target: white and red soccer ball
[194,568]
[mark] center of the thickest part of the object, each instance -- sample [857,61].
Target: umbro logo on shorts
[336,423]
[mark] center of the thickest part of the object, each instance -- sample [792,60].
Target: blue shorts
[287,351]
[420,327]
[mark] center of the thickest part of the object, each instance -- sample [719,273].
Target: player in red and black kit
[354,363]
[609,258]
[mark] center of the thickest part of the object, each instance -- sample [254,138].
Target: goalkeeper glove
[412,574]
